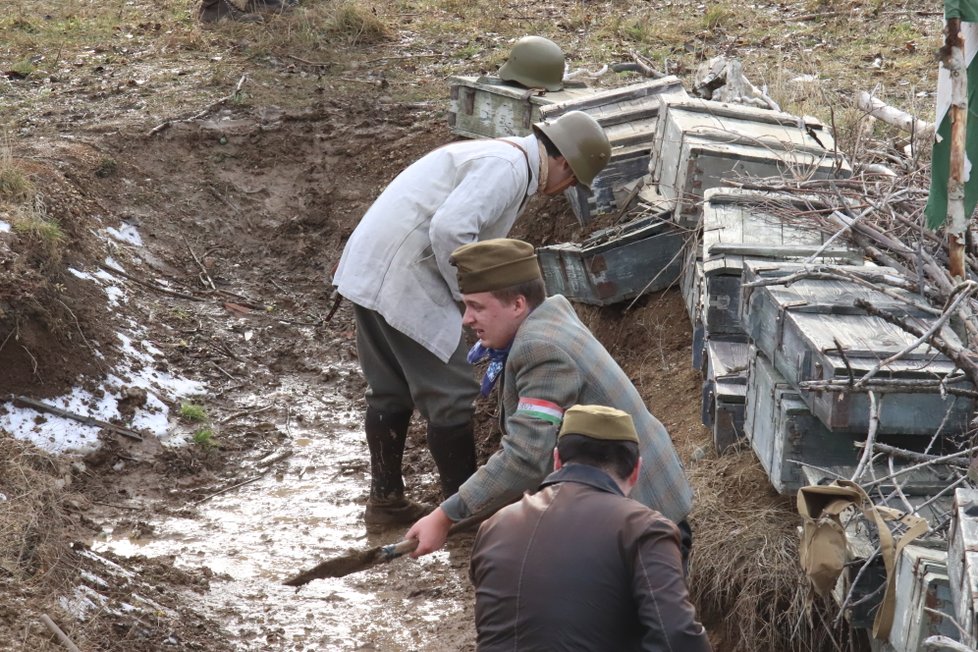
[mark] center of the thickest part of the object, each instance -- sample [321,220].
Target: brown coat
[577,566]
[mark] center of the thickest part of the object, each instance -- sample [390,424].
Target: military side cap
[598,422]
[494,265]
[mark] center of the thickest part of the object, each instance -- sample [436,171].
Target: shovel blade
[352,562]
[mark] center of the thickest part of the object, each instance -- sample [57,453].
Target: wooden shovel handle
[395,550]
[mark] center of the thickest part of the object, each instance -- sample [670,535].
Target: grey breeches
[403,375]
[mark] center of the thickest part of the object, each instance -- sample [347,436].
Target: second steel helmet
[535,62]
[581,141]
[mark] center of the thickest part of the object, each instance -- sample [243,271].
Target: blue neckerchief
[497,360]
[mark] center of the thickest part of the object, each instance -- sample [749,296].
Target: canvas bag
[823,540]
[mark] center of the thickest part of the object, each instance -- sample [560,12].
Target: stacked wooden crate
[922,592]
[812,330]
[488,107]
[738,226]
[629,116]
[701,145]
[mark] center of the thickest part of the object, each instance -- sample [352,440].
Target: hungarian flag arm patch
[540,409]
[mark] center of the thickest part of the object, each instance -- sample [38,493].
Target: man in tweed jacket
[553,362]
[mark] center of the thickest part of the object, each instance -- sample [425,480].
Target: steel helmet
[581,141]
[535,62]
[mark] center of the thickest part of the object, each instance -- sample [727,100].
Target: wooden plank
[669,86]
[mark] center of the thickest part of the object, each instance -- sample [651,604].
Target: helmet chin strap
[562,186]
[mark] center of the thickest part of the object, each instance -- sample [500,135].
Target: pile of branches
[882,217]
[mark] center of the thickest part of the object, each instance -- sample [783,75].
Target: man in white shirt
[395,270]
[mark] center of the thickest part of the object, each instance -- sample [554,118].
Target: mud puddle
[306,509]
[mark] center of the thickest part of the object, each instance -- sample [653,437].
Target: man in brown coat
[578,566]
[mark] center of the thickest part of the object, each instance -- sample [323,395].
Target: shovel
[355,561]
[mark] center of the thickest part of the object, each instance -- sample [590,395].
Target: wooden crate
[699,144]
[691,285]
[691,281]
[800,327]
[782,430]
[615,264]
[724,390]
[795,448]
[629,115]
[488,107]
[963,560]
[921,583]
[739,226]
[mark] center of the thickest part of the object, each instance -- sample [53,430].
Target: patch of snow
[113,263]
[802,79]
[4,227]
[126,233]
[108,283]
[62,435]
[115,294]
[108,563]
[94,579]
[82,601]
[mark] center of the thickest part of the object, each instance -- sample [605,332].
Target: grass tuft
[355,23]
[14,184]
[719,16]
[31,221]
[192,412]
[204,438]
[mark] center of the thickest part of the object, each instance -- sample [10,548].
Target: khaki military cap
[598,422]
[494,265]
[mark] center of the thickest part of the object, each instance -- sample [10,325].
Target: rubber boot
[453,448]
[387,506]
[212,11]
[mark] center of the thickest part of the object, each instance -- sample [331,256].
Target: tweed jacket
[396,260]
[578,566]
[554,363]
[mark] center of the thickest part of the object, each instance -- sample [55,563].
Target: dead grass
[15,186]
[356,23]
[33,519]
[745,577]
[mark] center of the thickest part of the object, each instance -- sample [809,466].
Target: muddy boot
[212,11]
[387,506]
[453,448]
[270,6]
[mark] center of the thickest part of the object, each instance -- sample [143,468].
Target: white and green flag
[936,211]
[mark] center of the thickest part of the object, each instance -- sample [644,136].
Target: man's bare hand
[430,531]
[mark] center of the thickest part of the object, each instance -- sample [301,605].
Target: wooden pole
[952,57]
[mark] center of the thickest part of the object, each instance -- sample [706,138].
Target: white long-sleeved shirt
[396,260]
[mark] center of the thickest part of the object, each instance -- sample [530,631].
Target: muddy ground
[265,208]
[242,201]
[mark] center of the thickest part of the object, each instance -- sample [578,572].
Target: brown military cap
[598,422]
[494,265]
